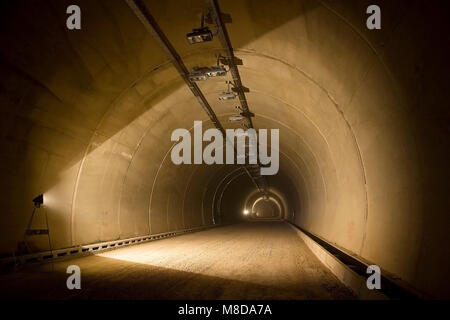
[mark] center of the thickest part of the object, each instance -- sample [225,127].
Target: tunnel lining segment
[339,110]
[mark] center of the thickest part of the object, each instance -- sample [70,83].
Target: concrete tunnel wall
[87,117]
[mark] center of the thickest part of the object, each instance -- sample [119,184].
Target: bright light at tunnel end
[246,212]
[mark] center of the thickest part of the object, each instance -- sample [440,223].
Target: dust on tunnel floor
[256,260]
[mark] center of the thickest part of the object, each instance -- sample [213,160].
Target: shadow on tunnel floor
[248,261]
[124,280]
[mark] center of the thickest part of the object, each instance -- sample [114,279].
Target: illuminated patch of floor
[265,254]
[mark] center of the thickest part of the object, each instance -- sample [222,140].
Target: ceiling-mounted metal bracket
[248,114]
[242,88]
[226,61]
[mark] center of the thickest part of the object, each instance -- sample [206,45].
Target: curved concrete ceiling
[88,115]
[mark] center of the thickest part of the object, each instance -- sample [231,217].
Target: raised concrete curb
[346,275]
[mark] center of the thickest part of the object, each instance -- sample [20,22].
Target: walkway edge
[346,275]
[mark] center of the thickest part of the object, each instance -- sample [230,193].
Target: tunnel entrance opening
[266,209]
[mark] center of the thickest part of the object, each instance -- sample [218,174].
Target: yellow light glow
[246,212]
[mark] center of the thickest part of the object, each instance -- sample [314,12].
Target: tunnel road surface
[255,260]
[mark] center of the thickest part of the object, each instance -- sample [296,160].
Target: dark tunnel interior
[87,117]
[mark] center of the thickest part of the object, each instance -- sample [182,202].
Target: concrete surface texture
[363,116]
[257,260]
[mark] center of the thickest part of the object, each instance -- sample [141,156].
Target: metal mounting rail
[226,45]
[141,11]
[152,26]
[239,88]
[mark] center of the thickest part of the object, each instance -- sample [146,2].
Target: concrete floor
[260,260]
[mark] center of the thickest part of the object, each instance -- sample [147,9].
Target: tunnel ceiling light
[203,73]
[198,75]
[199,35]
[246,212]
[216,71]
[228,95]
[38,201]
[235,118]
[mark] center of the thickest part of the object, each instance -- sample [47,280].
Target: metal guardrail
[78,251]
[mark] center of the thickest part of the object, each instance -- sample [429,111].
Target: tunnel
[87,119]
